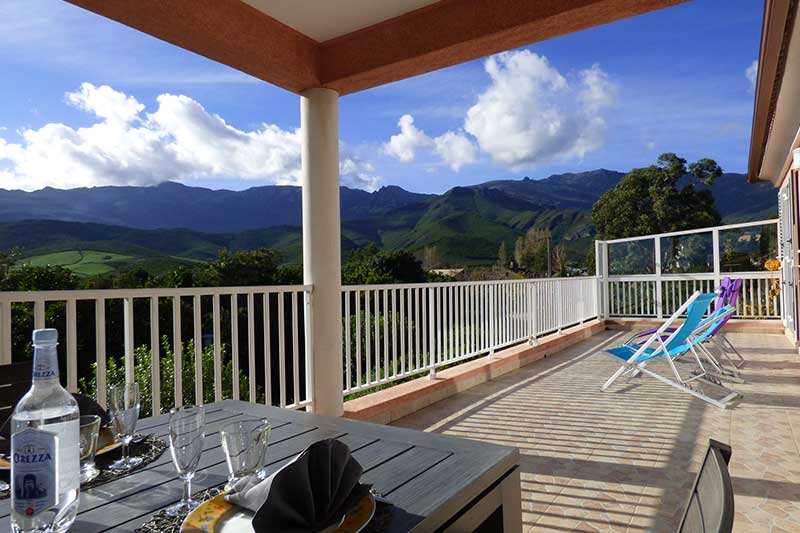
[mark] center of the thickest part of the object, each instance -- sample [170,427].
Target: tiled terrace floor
[624,460]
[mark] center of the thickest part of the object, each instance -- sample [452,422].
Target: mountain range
[465,224]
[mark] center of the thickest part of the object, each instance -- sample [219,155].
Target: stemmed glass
[186,433]
[124,402]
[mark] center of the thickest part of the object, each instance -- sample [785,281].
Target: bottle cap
[45,336]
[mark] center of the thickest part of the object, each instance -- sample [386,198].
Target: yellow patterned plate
[218,516]
[106,441]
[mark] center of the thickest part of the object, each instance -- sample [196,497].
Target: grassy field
[82,262]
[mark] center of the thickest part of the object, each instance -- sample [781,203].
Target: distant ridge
[173,205]
[465,224]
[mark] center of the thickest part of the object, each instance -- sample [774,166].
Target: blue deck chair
[668,346]
[716,349]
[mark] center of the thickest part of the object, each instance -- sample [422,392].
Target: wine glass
[186,433]
[245,445]
[124,401]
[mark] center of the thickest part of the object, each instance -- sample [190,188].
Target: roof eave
[775,36]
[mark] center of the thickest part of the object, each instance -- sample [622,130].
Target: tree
[7,262]
[530,251]
[430,258]
[657,199]
[245,268]
[560,260]
[502,256]
[371,265]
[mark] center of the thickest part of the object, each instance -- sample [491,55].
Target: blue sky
[87,101]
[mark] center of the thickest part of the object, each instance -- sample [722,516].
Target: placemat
[161,523]
[149,448]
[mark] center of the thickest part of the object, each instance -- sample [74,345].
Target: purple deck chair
[734,290]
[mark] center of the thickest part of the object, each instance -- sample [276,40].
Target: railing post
[72,345]
[492,320]
[715,245]
[100,349]
[155,364]
[127,311]
[39,313]
[560,305]
[431,332]
[308,330]
[657,253]
[217,331]
[177,350]
[5,333]
[198,351]
[533,308]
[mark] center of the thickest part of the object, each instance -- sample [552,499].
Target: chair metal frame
[701,329]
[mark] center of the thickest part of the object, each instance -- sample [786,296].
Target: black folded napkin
[311,493]
[86,405]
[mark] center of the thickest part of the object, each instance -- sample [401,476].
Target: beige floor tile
[625,460]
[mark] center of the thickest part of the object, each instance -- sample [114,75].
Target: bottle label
[34,480]
[42,369]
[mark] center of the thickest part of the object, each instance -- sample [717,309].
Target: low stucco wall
[390,404]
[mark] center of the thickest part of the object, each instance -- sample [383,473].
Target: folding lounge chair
[722,365]
[723,344]
[722,297]
[668,347]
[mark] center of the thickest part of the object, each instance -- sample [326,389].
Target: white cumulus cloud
[751,73]
[359,174]
[180,140]
[531,113]
[455,149]
[404,145]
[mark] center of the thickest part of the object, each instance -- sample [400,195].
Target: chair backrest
[728,298]
[15,380]
[694,314]
[722,291]
[710,505]
[734,290]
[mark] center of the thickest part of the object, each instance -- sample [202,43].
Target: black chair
[710,506]
[15,380]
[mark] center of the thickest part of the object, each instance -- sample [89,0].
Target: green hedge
[143,361]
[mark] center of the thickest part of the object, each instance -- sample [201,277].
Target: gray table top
[427,477]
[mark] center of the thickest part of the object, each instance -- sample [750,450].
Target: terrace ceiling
[352,45]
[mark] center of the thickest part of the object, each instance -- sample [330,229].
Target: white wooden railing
[391,332]
[655,292]
[396,331]
[272,318]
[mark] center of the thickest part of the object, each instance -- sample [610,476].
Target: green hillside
[83,262]
[466,224]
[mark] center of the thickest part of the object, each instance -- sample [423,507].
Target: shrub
[143,360]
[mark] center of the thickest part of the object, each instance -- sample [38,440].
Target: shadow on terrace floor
[624,460]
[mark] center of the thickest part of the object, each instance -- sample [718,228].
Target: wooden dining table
[432,482]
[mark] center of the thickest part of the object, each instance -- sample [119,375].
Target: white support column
[319,112]
[601,271]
